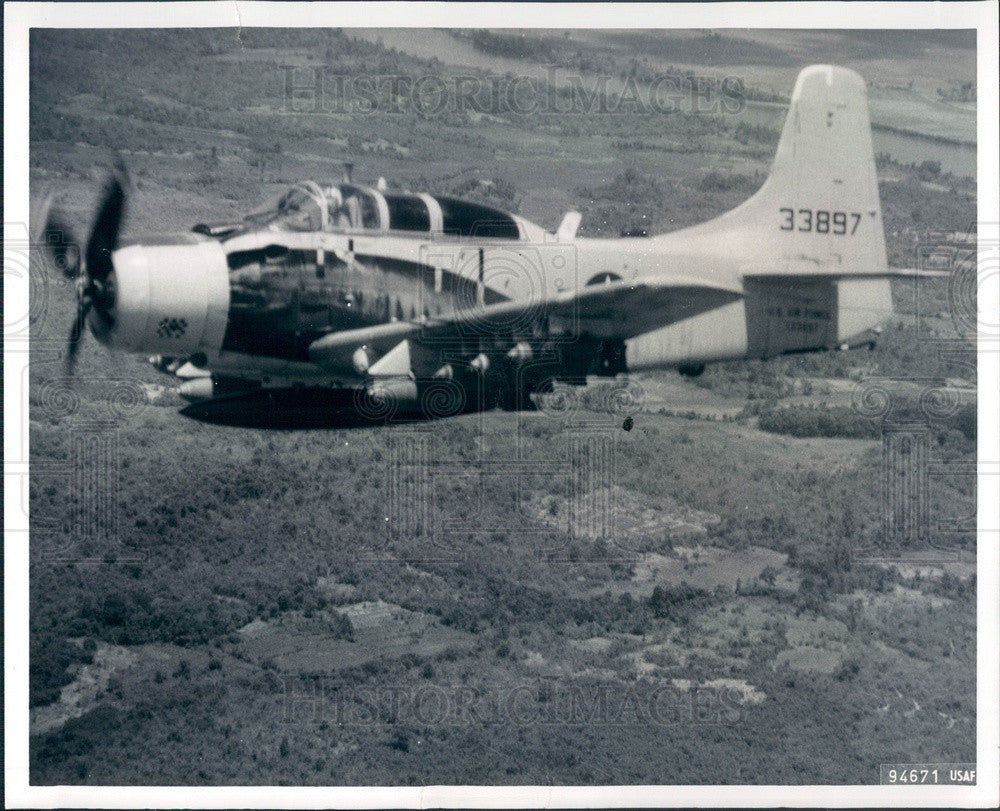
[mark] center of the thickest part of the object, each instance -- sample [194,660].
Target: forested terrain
[726,610]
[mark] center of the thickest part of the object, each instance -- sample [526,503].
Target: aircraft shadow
[302,409]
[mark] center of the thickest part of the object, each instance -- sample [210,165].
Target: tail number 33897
[839,223]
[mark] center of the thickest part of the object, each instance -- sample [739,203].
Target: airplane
[362,303]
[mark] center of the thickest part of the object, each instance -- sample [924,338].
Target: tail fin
[811,240]
[818,210]
[823,187]
[821,206]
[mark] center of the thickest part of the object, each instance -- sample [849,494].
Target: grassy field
[698,602]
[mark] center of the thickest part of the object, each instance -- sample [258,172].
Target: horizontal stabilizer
[840,275]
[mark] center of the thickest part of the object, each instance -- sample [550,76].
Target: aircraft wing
[626,309]
[618,309]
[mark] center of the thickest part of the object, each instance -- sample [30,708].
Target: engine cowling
[170,299]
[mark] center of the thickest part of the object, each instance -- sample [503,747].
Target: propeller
[92,269]
[58,238]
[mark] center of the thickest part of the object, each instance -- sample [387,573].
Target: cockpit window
[357,209]
[308,207]
[407,212]
[465,219]
[297,209]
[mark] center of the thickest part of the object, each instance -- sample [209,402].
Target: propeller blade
[42,215]
[57,238]
[62,245]
[92,291]
[76,334]
[104,236]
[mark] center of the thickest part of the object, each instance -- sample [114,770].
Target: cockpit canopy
[308,206]
[299,208]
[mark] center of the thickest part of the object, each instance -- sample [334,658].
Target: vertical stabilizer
[818,210]
[809,246]
[823,189]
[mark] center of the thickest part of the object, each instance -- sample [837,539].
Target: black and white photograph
[538,398]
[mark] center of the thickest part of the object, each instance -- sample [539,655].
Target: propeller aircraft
[362,303]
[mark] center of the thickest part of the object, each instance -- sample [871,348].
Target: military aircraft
[366,303]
